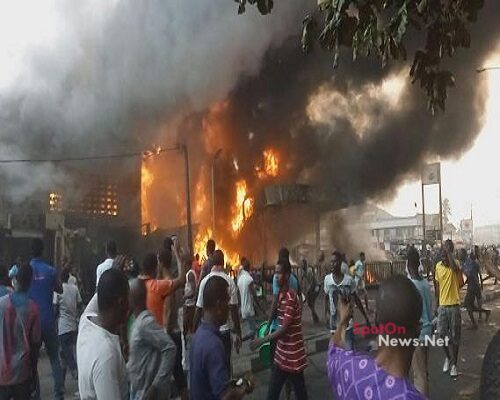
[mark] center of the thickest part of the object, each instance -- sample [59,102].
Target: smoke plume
[125,75]
[117,71]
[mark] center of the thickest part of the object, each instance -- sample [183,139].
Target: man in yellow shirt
[447,281]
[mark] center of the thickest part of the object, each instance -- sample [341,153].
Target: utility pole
[472,228]
[424,249]
[440,213]
[183,148]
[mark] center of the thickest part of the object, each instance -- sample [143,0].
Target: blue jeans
[349,339]
[252,329]
[49,338]
[67,341]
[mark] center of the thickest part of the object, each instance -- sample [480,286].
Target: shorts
[450,323]
[473,293]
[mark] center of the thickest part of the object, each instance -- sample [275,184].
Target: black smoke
[347,167]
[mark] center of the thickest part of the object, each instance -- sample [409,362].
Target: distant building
[391,233]
[488,234]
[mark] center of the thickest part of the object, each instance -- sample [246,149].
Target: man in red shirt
[290,354]
[159,289]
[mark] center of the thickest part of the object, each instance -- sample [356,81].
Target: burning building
[206,78]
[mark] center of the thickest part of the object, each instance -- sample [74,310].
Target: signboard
[27,222]
[431,174]
[433,234]
[54,221]
[466,225]
[286,194]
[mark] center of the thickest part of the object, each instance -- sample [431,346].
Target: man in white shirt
[225,330]
[338,285]
[102,372]
[359,277]
[68,303]
[247,295]
[111,253]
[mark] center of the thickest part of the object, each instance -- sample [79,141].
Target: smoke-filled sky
[470,181]
[82,77]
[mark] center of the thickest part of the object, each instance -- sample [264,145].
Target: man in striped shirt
[290,354]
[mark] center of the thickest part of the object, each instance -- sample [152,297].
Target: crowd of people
[170,326]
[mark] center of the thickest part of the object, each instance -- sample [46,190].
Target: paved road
[442,386]
[474,344]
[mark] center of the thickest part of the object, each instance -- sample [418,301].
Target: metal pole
[424,249]
[472,228]
[184,150]
[317,231]
[213,198]
[440,211]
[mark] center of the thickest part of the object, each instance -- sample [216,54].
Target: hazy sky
[472,180]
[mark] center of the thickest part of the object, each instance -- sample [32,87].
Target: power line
[147,153]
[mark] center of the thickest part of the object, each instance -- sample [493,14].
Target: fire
[243,207]
[147,179]
[370,278]
[271,163]
[232,258]
[270,167]
[200,194]
[55,200]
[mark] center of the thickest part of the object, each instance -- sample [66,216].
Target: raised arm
[359,304]
[180,281]
[344,308]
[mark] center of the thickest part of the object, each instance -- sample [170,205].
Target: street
[472,350]
[442,387]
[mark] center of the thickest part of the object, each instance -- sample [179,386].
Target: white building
[389,232]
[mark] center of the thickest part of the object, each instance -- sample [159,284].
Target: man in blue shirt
[421,354]
[470,268]
[45,282]
[209,367]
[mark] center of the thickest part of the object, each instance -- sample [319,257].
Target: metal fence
[375,272]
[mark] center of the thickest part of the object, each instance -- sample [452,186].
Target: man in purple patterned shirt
[357,376]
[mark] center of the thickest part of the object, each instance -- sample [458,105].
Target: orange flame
[147,179]
[270,167]
[370,278]
[243,207]
[271,163]
[232,258]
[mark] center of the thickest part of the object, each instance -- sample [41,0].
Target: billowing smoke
[119,70]
[358,132]
[126,75]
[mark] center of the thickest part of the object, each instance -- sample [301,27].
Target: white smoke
[107,73]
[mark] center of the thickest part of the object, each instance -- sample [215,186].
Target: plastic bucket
[261,332]
[265,354]
[265,349]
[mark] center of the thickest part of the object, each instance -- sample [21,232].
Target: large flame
[269,166]
[232,258]
[147,179]
[242,208]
